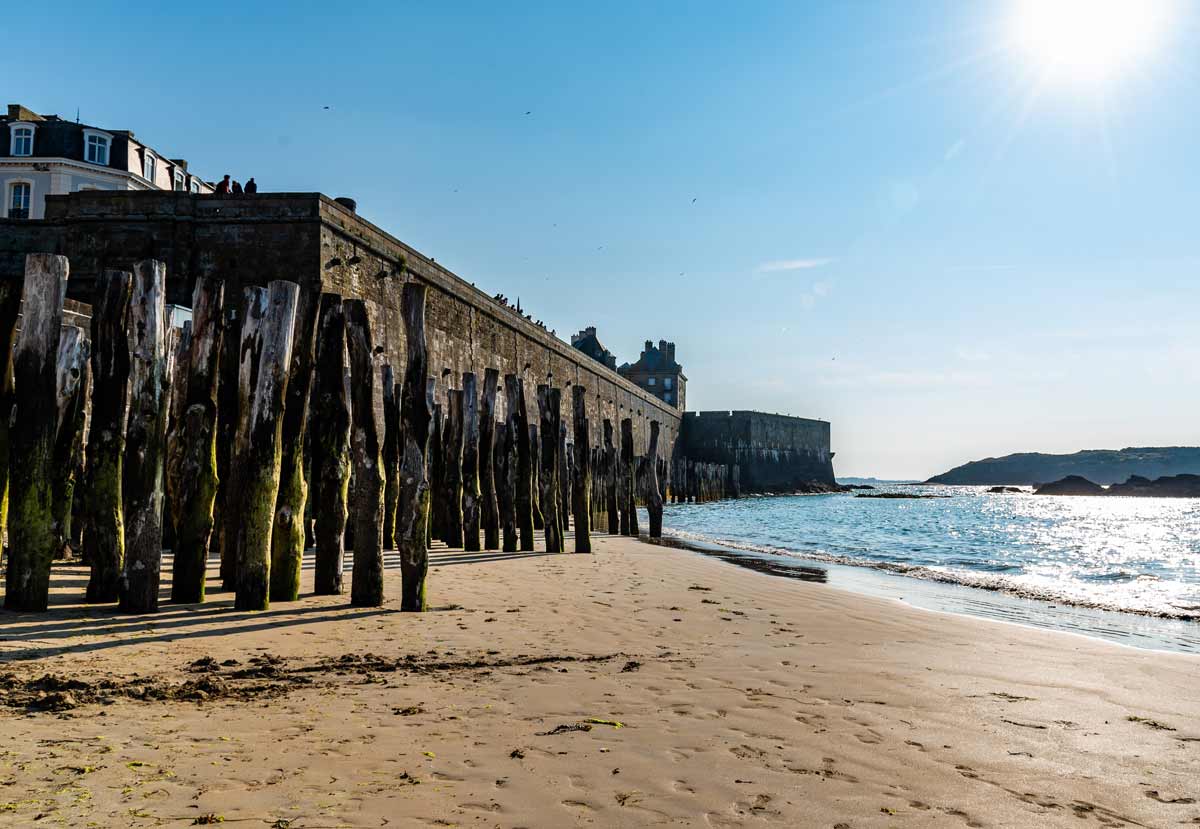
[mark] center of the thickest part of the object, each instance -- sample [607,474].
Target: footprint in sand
[682,786]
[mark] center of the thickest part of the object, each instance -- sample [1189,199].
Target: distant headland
[1100,466]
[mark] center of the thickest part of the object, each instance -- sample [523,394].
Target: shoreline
[636,686]
[928,589]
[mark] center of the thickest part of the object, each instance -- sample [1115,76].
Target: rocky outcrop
[1138,486]
[1003,489]
[1070,485]
[1104,466]
[1173,486]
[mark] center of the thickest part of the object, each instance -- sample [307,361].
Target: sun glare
[1089,40]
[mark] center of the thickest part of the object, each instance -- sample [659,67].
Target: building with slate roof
[657,373]
[43,155]
[587,342]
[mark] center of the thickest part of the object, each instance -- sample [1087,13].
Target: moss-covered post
[366,508]
[71,384]
[329,440]
[104,538]
[547,398]
[518,429]
[489,505]
[625,480]
[654,499]
[412,511]
[268,324]
[581,490]
[31,536]
[452,470]
[390,455]
[142,477]
[195,489]
[470,463]
[10,308]
[287,534]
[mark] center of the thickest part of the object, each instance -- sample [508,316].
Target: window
[148,167]
[22,139]
[179,181]
[95,147]
[666,382]
[195,185]
[18,200]
[650,382]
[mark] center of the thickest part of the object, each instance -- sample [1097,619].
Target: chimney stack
[649,345]
[670,352]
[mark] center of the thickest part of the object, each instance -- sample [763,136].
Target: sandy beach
[638,686]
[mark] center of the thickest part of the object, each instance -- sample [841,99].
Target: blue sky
[895,225]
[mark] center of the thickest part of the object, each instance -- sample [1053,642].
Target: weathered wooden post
[488,502]
[195,489]
[104,539]
[548,479]
[470,462]
[562,477]
[518,427]
[10,309]
[412,512]
[145,439]
[503,468]
[366,585]
[629,524]
[31,534]
[437,474]
[179,345]
[329,441]
[654,498]
[430,398]
[611,507]
[391,454]
[287,534]
[581,493]
[452,470]
[268,324]
[71,387]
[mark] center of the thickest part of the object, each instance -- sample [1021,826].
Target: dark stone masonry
[308,237]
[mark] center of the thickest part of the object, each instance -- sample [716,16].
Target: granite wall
[776,453]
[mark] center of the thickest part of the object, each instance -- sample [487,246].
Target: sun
[1089,40]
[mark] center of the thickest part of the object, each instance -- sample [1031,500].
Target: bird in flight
[693,201]
[529,113]
[325,107]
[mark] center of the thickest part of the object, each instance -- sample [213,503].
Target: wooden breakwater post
[30,528]
[519,428]
[535,467]
[104,535]
[195,490]
[581,492]
[268,321]
[452,470]
[488,502]
[390,456]
[470,463]
[625,476]
[179,345]
[10,309]
[71,388]
[505,470]
[563,476]
[366,584]
[611,477]
[287,534]
[329,441]
[437,473]
[654,498]
[412,511]
[431,406]
[142,486]
[549,403]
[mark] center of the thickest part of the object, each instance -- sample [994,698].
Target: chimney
[649,345]
[662,347]
[348,203]
[670,352]
[16,112]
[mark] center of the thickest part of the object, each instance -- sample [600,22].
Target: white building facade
[43,155]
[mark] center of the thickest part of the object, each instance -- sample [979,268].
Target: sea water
[1090,564]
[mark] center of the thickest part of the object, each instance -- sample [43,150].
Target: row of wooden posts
[300,452]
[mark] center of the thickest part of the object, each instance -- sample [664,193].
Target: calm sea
[1123,568]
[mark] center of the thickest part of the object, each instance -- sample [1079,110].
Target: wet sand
[638,686]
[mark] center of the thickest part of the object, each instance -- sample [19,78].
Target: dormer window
[95,147]
[22,139]
[180,181]
[195,185]
[148,166]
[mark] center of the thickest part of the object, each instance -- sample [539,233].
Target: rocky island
[1169,486]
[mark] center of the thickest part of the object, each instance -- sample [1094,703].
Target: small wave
[996,584]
